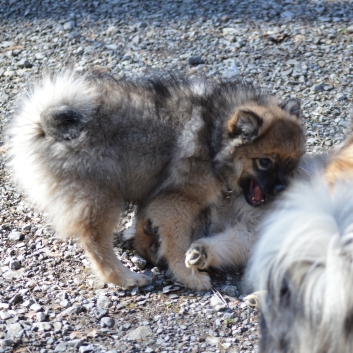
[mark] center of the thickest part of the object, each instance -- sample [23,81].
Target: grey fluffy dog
[83,146]
[304,261]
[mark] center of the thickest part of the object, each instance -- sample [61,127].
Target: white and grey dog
[304,260]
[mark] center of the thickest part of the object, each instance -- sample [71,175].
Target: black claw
[203,252]
[194,256]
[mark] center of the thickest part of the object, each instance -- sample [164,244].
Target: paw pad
[196,257]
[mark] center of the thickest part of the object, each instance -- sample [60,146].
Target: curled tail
[55,109]
[62,122]
[57,105]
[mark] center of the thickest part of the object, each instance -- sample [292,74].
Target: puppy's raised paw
[196,256]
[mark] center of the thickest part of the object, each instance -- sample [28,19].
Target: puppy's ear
[291,106]
[244,126]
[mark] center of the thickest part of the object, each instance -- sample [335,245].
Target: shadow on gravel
[157,10]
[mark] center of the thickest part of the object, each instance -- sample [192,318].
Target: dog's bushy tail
[52,110]
[62,122]
[57,106]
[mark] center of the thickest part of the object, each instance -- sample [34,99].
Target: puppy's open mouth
[255,196]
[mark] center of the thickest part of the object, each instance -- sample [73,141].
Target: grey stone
[27,303]
[148,288]
[41,316]
[79,51]
[36,307]
[104,302]
[4,315]
[16,236]
[90,49]
[68,26]
[24,63]
[318,88]
[287,15]
[42,326]
[135,291]
[26,227]
[7,44]
[136,39]
[286,72]
[215,300]
[6,343]
[74,343]
[139,333]
[229,290]
[229,30]
[99,312]
[111,31]
[61,347]
[112,46]
[57,326]
[65,303]
[107,322]
[15,332]
[62,295]
[139,262]
[15,299]
[231,73]
[195,61]
[340,97]
[3,96]
[14,264]
[39,56]
[89,348]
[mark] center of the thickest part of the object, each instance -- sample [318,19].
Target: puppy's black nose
[279,188]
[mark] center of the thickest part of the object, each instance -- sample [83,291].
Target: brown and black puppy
[84,145]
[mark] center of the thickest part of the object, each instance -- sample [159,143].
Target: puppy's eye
[265,163]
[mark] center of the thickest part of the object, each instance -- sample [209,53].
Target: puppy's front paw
[195,280]
[126,279]
[196,256]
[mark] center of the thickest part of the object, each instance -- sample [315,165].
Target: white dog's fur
[305,261]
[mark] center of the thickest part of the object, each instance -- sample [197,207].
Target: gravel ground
[48,300]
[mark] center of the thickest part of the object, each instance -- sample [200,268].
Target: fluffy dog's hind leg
[95,233]
[173,215]
[147,241]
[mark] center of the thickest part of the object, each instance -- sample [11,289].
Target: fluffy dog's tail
[62,122]
[57,106]
[306,251]
[52,110]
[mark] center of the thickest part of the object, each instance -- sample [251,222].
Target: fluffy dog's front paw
[253,300]
[194,279]
[196,256]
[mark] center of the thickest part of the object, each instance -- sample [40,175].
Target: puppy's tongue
[257,193]
[257,196]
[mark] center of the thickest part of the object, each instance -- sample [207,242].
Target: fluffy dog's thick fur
[304,260]
[84,146]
